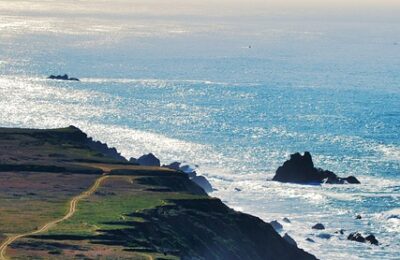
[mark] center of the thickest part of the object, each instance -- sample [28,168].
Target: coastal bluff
[121,210]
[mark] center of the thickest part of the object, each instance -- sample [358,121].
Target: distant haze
[381,9]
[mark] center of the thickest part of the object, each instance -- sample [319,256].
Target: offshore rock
[318,226]
[356,237]
[359,238]
[300,169]
[62,77]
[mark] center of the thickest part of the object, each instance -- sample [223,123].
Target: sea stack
[300,169]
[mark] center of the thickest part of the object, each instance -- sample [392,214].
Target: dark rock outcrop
[352,180]
[62,77]
[203,183]
[310,240]
[318,226]
[177,166]
[359,238]
[173,166]
[286,220]
[104,149]
[276,225]
[300,169]
[356,237]
[192,174]
[290,240]
[133,160]
[372,239]
[148,160]
[324,236]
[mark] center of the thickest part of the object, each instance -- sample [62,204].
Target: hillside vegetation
[136,212]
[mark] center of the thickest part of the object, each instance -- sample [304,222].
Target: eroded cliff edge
[143,212]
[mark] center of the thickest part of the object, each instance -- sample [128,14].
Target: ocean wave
[384,152]
[162,82]
[390,220]
[37,102]
[389,152]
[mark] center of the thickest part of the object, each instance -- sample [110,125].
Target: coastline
[260,239]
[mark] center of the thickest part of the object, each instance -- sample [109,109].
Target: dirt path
[74,202]
[72,208]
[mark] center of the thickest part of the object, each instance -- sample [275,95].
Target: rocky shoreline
[298,169]
[192,225]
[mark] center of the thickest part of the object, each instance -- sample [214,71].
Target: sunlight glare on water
[189,88]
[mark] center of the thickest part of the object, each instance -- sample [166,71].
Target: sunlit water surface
[193,91]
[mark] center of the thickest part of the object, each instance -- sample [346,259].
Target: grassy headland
[136,212]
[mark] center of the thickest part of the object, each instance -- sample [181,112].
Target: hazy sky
[245,18]
[382,9]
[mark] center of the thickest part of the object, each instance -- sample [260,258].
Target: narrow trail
[72,209]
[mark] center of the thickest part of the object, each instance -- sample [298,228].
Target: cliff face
[137,212]
[205,229]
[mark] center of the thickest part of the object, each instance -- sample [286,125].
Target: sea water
[233,96]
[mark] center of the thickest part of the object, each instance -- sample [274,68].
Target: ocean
[233,97]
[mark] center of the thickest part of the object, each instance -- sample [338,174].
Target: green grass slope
[136,213]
